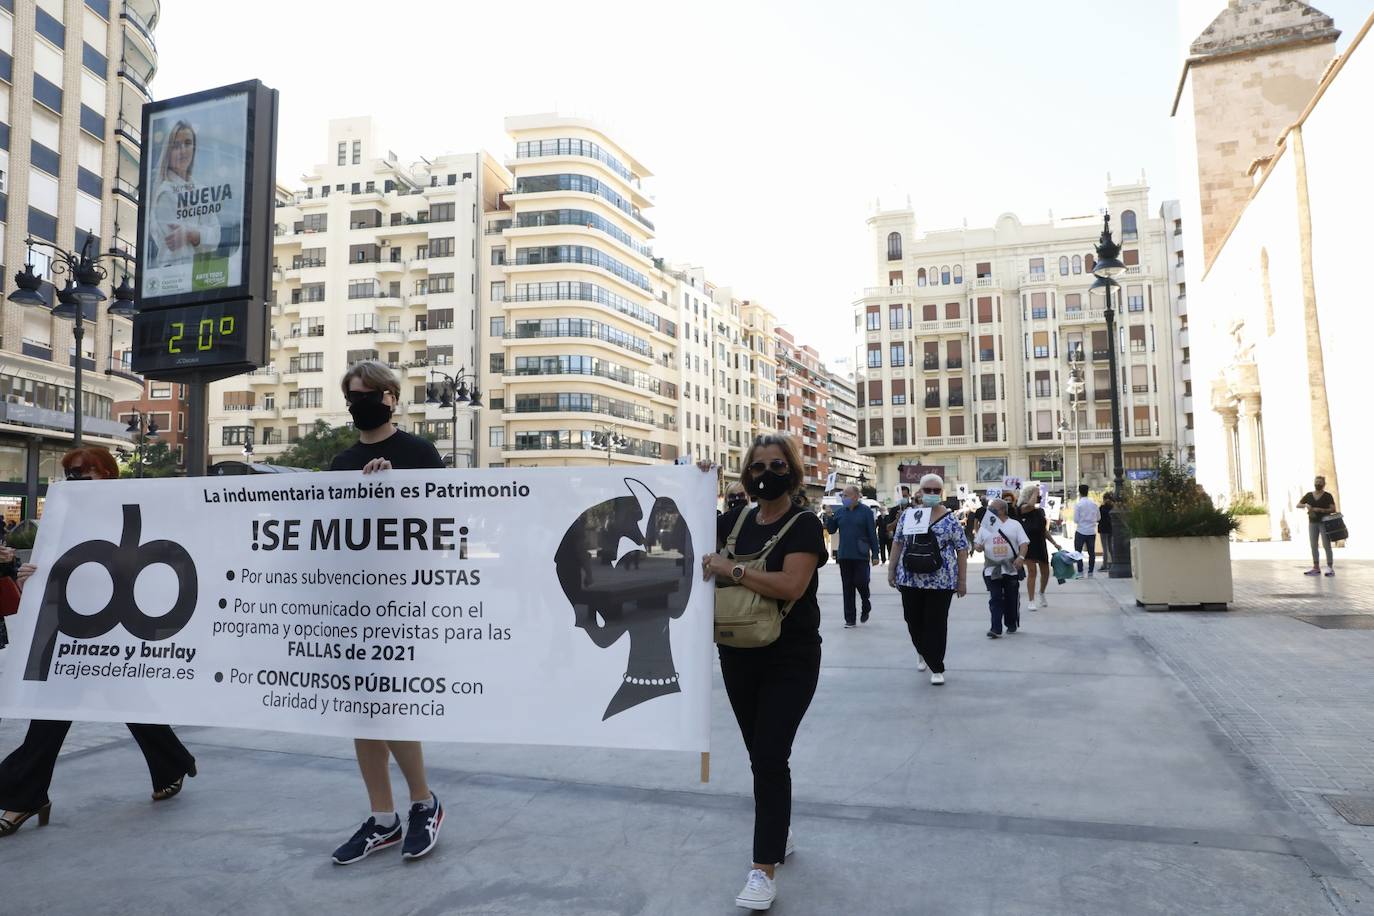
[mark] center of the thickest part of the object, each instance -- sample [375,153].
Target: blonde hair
[1030,494]
[375,374]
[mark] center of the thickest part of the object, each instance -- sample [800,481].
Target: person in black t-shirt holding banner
[373,392]
[771,687]
[1319,504]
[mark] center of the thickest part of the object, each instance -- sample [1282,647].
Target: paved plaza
[1102,760]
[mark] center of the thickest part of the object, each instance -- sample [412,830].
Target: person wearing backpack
[929,566]
[773,550]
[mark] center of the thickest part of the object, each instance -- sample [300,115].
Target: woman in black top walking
[1037,528]
[771,687]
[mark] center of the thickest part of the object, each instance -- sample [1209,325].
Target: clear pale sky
[771,127]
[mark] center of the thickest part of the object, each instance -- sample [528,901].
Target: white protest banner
[551,606]
[1012,483]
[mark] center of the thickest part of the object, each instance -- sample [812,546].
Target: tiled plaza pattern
[1296,698]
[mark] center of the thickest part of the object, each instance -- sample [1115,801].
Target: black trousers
[27,772]
[770,690]
[927,620]
[1088,544]
[1004,602]
[854,577]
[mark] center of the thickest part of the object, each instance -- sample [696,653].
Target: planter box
[1174,572]
[1253,528]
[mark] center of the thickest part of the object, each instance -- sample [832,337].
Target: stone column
[1252,460]
[1231,421]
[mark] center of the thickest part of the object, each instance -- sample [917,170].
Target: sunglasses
[362,397]
[77,474]
[777,466]
[933,492]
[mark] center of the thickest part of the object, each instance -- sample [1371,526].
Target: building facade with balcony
[1171,215]
[373,259]
[580,338]
[73,80]
[848,463]
[803,401]
[967,343]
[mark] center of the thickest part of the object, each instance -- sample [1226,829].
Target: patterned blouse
[952,539]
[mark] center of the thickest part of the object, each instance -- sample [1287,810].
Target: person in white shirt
[1086,515]
[1004,544]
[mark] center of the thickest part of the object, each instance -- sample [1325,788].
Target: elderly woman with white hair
[1004,545]
[929,565]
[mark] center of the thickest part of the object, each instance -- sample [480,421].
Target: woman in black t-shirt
[770,688]
[1037,528]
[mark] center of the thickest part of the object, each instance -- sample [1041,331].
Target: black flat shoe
[11,826]
[175,788]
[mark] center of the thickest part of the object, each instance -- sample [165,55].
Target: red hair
[93,458]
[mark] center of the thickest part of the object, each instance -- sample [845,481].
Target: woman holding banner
[771,687]
[373,391]
[26,774]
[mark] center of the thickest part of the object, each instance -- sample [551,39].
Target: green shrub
[1244,504]
[1172,505]
[22,535]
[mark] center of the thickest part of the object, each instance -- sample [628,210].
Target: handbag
[1334,526]
[744,618]
[9,597]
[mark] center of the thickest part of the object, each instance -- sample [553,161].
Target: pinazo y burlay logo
[124,562]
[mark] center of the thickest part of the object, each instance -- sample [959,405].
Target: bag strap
[768,546]
[739,525]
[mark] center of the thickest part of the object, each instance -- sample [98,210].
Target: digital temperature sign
[222,338]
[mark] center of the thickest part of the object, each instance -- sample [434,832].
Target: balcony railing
[930,363]
[954,363]
[956,400]
[932,400]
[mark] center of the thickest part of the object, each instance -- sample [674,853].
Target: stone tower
[1254,70]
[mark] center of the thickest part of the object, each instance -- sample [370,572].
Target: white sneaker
[937,678]
[759,892]
[791,846]
[921,664]
[1043,603]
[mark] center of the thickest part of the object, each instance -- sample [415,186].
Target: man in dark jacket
[857,553]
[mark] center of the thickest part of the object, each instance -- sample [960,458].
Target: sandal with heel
[8,826]
[175,788]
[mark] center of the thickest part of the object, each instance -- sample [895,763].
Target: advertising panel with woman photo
[195,173]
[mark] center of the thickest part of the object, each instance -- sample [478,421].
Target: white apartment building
[373,259]
[73,80]
[580,340]
[1171,215]
[966,341]
[843,435]
[701,427]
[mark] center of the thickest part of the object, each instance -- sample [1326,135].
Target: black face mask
[770,486]
[367,409]
[734,502]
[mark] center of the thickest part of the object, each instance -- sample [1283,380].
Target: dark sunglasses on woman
[77,474]
[777,466]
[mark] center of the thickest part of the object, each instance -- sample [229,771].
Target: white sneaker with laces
[1043,603]
[921,664]
[790,848]
[937,678]
[759,891]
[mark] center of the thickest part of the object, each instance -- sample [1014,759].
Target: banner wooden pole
[705,766]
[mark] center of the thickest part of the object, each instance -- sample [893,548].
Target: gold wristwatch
[737,573]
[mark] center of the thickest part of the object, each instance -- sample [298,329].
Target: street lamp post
[1077,388]
[1107,268]
[80,293]
[610,438]
[145,427]
[451,391]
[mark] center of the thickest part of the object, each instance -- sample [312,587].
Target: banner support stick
[197,425]
[705,766]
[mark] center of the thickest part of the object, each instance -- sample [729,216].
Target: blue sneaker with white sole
[369,839]
[422,832]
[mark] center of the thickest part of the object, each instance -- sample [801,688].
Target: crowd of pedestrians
[925,541]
